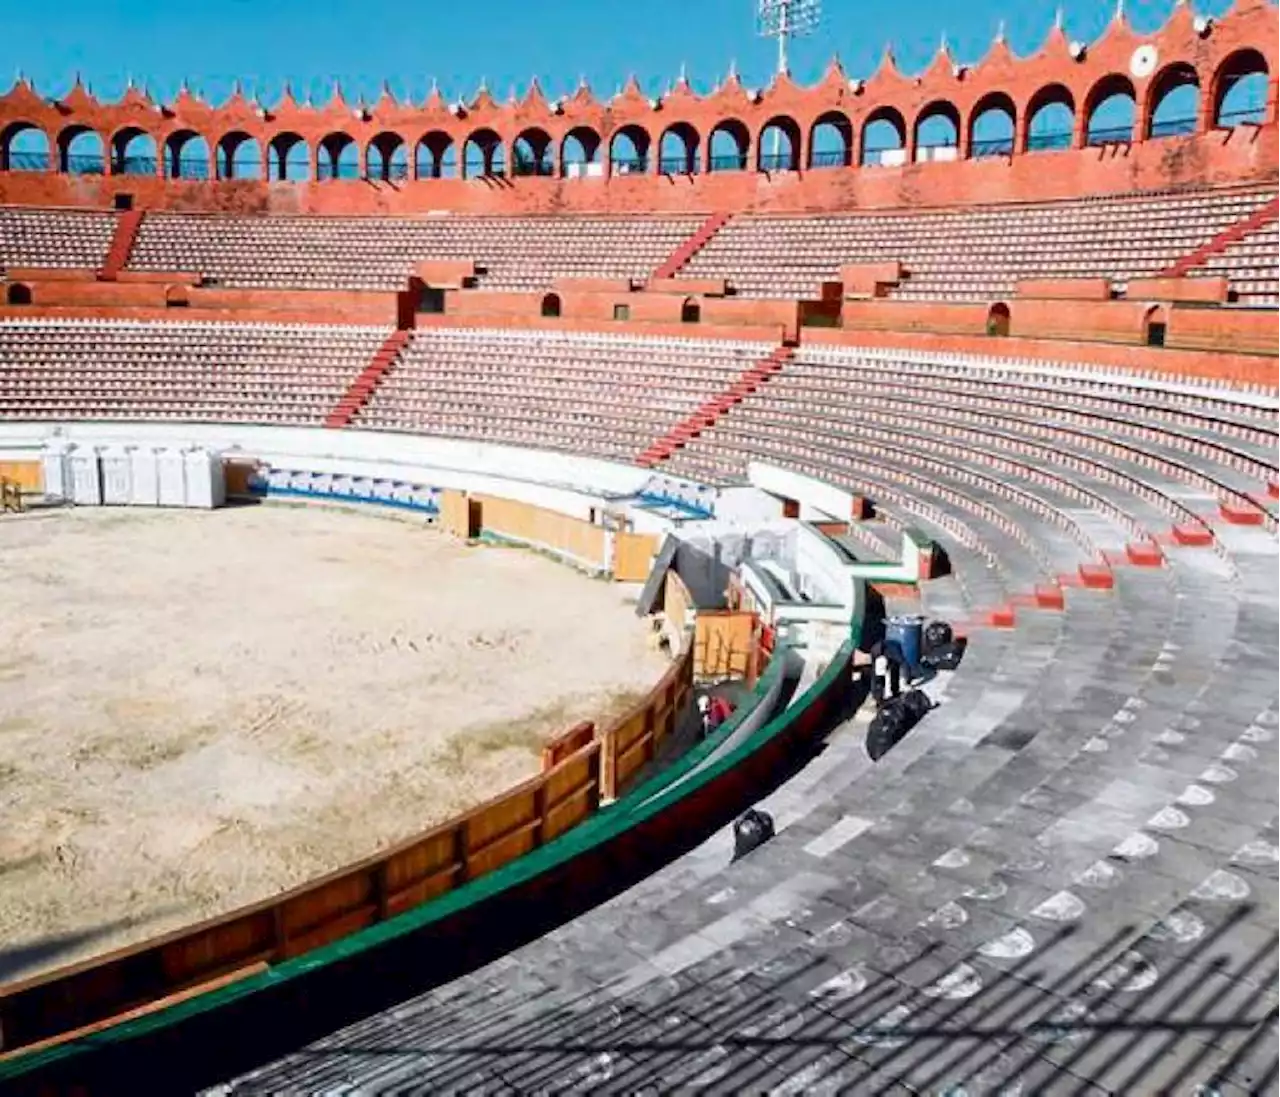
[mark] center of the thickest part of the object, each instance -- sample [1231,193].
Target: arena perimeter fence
[76,1000]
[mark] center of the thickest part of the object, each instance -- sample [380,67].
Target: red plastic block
[1003,617]
[1240,516]
[1192,535]
[1097,576]
[1050,598]
[1273,489]
[1145,554]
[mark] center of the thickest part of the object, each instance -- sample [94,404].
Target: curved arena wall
[254,939]
[416,914]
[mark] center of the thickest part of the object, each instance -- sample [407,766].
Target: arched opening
[531,154]
[288,158]
[1173,101]
[831,141]
[18,293]
[239,157]
[186,156]
[993,123]
[778,146]
[998,320]
[1110,110]
[937,132]
[436,156]
[629,151]
[24,147]
[729,146]
[133,153]
[81,151]
[1155,326]
[337,157]
[1240,89]
[176,297]
[678,150]
[551,305]
[482,155]
[386,158]
[690,312]
[884,138]
[1051,119]
[580,153]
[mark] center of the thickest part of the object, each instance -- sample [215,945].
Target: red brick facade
[1188,49]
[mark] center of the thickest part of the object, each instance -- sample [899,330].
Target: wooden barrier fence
[631,742]
[71,1001]
[10,496]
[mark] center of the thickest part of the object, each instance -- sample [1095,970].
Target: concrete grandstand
[1026,386]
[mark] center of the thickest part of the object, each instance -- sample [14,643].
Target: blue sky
[505,42]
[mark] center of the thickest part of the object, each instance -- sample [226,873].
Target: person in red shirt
[715,711]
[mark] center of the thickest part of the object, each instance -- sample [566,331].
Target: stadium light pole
[785,20]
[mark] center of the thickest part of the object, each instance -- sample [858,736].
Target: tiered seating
[68,238]
[971,254]
[1249,265]
[1063,881]
[377,253]
[597,394]
[214,372]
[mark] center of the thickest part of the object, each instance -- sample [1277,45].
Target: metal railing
[778,161]
[996,146]
[733,162]
[1043,142]
[678,165]
[837,158]
[629,165]
[1109,135]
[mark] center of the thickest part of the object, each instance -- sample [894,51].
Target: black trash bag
[887,727]
[946,657]
[751,831]
[915,704]
[937,634]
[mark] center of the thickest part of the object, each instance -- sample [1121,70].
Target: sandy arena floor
[198,710]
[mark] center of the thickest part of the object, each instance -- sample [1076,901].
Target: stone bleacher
[1062,881]
[975,254]
[64,238]
[212,372]
[378,253]
[597,394]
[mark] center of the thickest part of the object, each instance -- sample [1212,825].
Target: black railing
[629,165]
[85,163]
[678,165]
[29,161]
[337,171]
[191,169]
[777,161]
[1255,115]
[871,154]
[733,162]
[136,165]
[543,169]
[1056,139]
[838,158]
[1109,135]
[996,146]
[1173,127]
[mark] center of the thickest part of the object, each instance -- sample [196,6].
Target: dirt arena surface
[200,709]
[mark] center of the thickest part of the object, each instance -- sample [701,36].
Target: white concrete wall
[560,482]
[818,501]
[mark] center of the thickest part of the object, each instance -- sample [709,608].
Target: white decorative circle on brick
[1256,853]
[1137,846]
[1169,819]
[1063,907]
[1009,946]
[1222,886]
[1238,752]
[1196,796]
[962,981]
[992,889]
[1100,874]
[953,858]
[948,916]
[1219,775]
[847,984]
[1178,925]
[1132,972]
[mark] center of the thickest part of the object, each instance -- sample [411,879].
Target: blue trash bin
[905,630]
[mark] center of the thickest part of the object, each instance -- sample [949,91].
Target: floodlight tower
[785,20]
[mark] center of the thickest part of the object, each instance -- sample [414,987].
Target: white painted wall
[818,501]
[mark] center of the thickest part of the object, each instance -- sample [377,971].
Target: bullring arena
[456,555]
[261,697]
